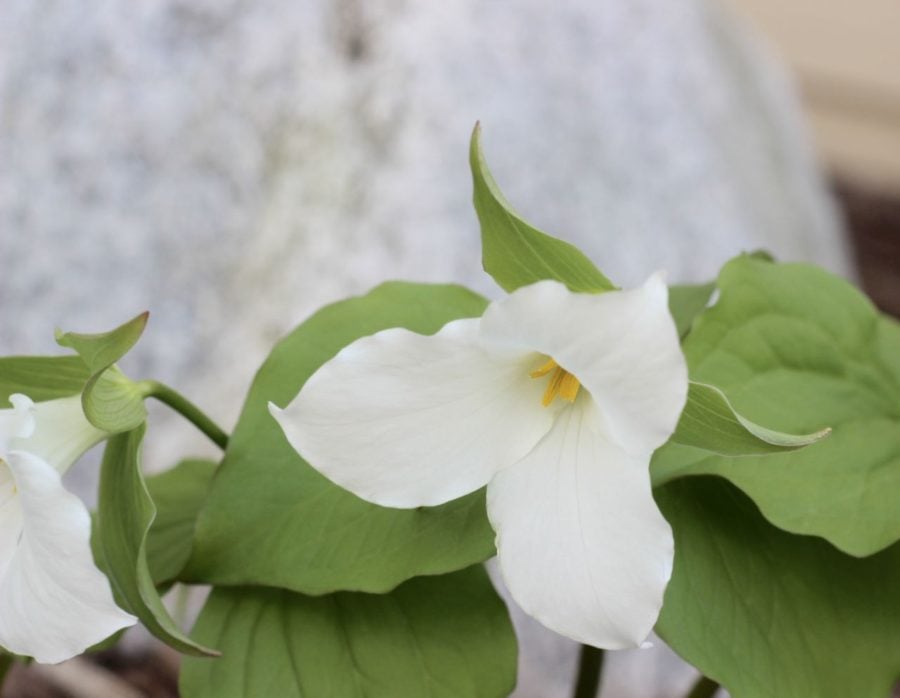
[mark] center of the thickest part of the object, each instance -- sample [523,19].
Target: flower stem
[704,688]
[186,409]
[6,663]
[590,667]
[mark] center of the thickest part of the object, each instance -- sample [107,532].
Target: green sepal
[517,254]
[101,350]
[111,401]
[125,514]
[442,637]
[710,422]
[686,302]
[41,377]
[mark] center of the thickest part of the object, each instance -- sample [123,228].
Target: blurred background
[232,165]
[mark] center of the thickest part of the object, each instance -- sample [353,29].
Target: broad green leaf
[178,495]
[272,520]
[124,515]
[774,615]
[111,401]
[41,377]
[686,302]
[889,345]
[799,349]
[711,423]
[432,637]
[515,253]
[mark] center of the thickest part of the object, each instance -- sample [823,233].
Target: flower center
[562,383]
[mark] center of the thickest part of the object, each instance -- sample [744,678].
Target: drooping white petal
[16,422]
[59,433]
[405,420]
[621,345]
[54,602]
[581,544]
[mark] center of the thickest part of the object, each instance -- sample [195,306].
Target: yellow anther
[562,383]
[545,369]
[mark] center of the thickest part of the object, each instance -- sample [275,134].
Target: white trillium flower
[406,420]
[54,602]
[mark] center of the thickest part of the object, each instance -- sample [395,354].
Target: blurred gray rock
[231,165]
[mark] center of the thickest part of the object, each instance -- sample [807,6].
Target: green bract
[111,401]
[442,637]
[794,346]
[271,519]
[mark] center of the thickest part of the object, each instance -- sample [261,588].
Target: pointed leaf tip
[515,253]
[711,422]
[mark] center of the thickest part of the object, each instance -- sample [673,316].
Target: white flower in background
[54,602]
[406,420]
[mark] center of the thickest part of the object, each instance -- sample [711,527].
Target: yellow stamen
[545,369]
[562,383]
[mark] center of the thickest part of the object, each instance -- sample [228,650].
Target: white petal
[406,420]
[16,422]
[622,346]
[581,544]
[54,603]
[61,432]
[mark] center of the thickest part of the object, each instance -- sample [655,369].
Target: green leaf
[272,520]
[432,637]
[795,347]
[686,302]
[178,495]
[774,615]
[710,422]
[41,377]
[515,253]
[124,515]
[111,401]
[889,345]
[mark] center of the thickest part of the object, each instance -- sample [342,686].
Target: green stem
[186,409]
[6,663]
[590,667]
[704,688]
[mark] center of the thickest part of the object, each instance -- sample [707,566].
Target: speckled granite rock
[232,165]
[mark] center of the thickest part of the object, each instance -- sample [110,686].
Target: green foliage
[111,401]
[99,351]
[794,346]
[517,254]
[686,302]
[774,615]
[432,637]
[178,495]
[125,513]
[41,377]
[710,422]
[272,520]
